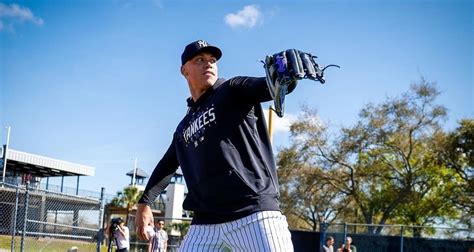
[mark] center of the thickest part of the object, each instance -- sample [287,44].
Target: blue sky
[98,83]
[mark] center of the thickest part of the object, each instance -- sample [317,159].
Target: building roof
[140,173]
[44,166]
[179,171]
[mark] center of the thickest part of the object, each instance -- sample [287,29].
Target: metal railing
[42,185]
[38,219]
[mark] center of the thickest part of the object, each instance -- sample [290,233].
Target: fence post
[323,226]
[22,244]
[12,245]
[401,239]
[345,232]
[100,232]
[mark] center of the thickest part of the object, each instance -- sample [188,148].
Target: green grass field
[47,244]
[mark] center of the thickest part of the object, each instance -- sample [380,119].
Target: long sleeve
[161,176]
[254,89]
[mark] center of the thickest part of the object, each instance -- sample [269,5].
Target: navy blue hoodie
[224,151]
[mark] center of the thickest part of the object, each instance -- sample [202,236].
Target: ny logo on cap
[202,43]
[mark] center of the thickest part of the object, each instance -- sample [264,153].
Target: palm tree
[130,196]
[116,201]
[182,227]
[127,198]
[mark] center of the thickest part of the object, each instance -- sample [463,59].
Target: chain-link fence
[365,237]
[38,220]
[399,237]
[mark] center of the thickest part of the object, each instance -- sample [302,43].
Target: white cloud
[248,17]
[280,125]
[14,13]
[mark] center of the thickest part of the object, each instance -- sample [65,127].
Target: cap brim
[216,52]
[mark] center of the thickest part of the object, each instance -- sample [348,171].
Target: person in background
[159,238]
[347,247]
[329,246]
[122,237]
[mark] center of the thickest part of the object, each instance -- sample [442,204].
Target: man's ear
[183,71]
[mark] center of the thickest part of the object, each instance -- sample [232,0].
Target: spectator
[122,237]
[159,238]
[347,247]
[328,247]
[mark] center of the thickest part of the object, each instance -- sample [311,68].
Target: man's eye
[212,61]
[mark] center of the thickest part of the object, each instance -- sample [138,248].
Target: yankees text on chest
[196,125]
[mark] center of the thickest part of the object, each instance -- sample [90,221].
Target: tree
[305,200]
[130,196]
[380,164]
[127,198]
[456,150]
[117,200]
[181,227]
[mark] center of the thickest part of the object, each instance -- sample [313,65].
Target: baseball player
[224,151]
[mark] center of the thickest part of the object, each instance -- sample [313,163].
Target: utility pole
[270,123]
[5,151]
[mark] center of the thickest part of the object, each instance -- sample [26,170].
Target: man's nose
[208,64]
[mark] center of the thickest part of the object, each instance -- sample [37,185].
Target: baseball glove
[284,69]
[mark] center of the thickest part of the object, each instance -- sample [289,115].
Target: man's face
[348,240]
[201,70]
[160,225]
[331,242]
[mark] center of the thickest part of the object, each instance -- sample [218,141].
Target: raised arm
[159,180]
[253,89]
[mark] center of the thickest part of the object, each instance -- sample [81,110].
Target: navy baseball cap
[199,46]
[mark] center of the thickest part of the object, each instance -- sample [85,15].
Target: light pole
[5,151]
[134,172]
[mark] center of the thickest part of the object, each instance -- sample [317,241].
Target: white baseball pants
[261,231]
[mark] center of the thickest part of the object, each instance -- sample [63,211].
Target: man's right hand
[143,219]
